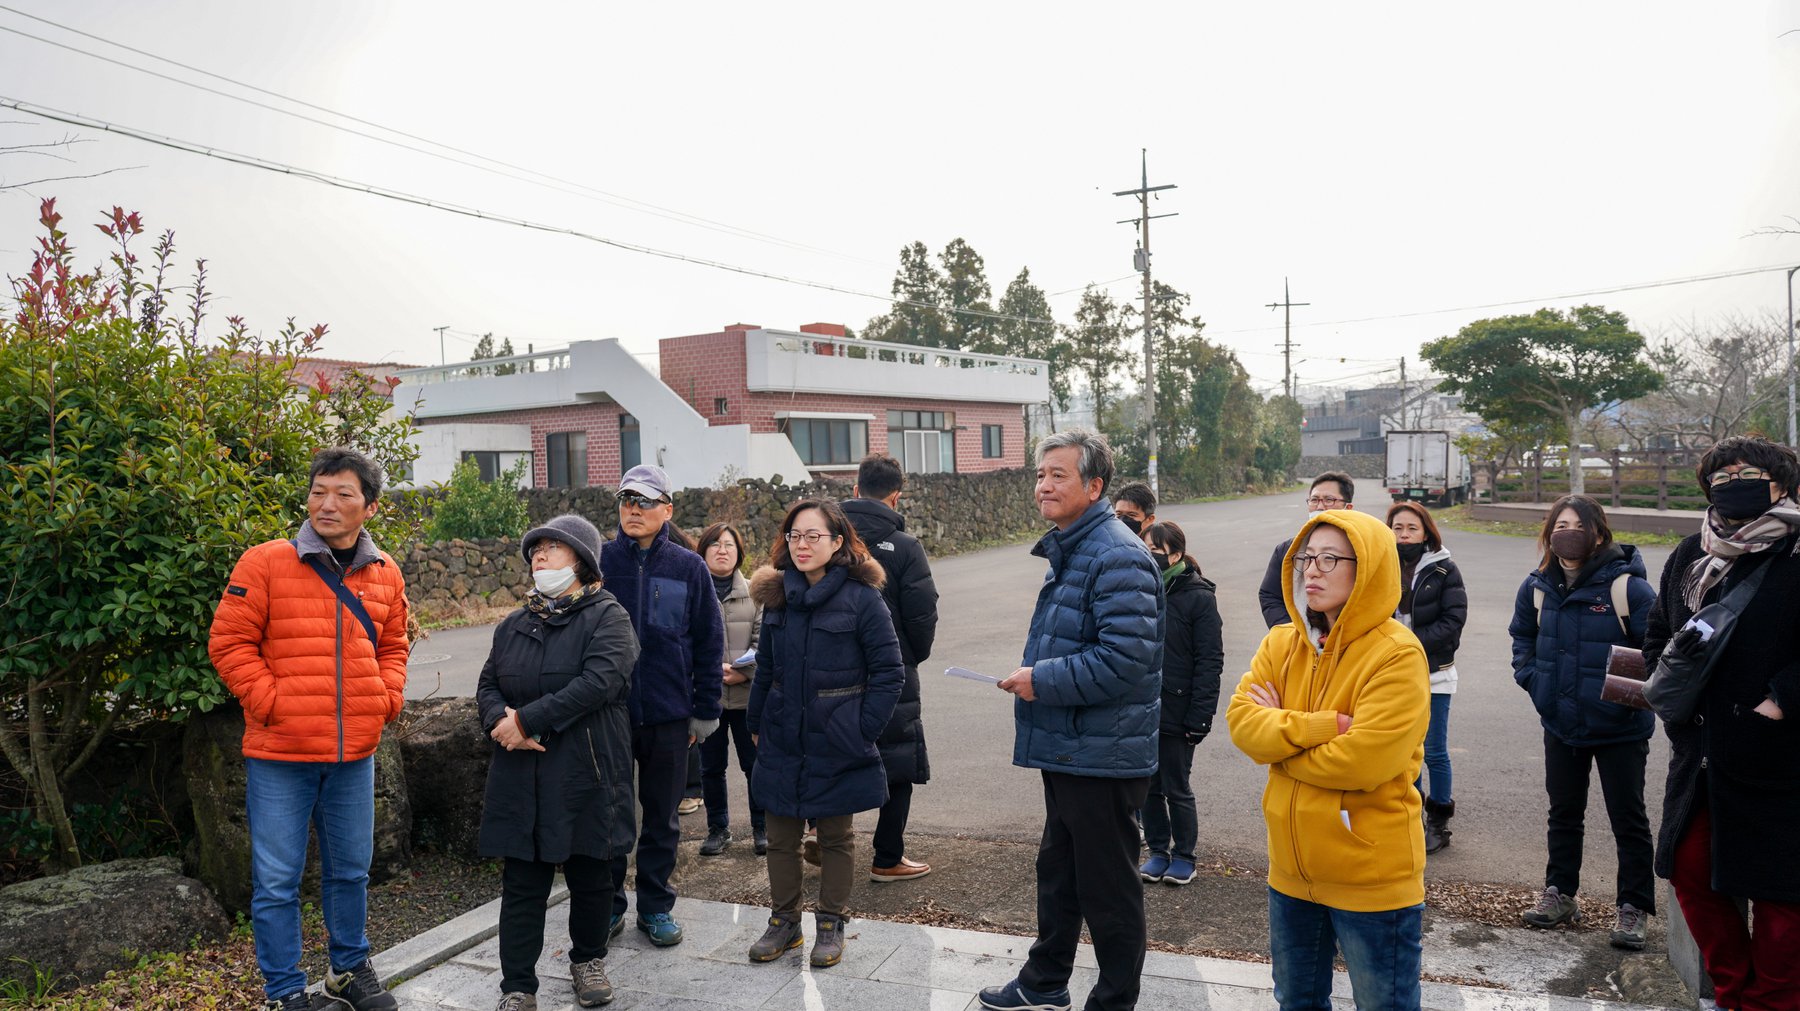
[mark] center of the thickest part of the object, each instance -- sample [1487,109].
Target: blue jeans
[1437,751]
[281,798]
[1381,950]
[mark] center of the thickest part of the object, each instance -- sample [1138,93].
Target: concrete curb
[447,940]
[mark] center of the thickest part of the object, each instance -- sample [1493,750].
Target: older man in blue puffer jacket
[1089,700]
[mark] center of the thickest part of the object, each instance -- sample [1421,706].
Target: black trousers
[660,753]
[715,759]
[1087,870]
[1566,773]
[890,827]
[524,890]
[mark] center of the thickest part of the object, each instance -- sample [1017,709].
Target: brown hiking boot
[592,988]
[1553,909]
[782,936]
[828,947]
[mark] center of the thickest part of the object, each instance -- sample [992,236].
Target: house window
[923,441]
[721,406]
[991,445]
[630,449]
[823,442]
[487,463]
[568,459]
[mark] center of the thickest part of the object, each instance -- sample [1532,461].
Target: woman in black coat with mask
[1731,812]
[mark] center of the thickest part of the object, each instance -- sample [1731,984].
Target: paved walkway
[886,967]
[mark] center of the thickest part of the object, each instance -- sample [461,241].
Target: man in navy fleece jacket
[675,687]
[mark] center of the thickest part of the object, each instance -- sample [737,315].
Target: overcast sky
[1390,159]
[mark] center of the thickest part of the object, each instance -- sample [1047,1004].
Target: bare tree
[1719,376]
[56,150]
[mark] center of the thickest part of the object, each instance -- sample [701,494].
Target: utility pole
[1403,423]
[1790,361]
[1142,262]
[440,332]
[1286,305]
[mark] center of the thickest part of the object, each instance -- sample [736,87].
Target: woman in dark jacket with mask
[1435,606]
[552,698]
[1566,620]
[828,675]
[1731,812]
[1193,658]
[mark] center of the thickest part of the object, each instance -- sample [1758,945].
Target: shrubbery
[472,508]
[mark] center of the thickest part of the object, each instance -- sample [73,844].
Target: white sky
[1388,158]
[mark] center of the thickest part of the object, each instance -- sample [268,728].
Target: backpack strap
[1621,601]
[336,583]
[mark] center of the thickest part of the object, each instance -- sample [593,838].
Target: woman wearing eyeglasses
[828,674]
[1335,704]
[1731,813]
[1587,595]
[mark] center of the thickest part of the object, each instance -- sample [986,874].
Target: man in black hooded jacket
[912,601]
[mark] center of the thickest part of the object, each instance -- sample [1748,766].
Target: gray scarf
[1724,544]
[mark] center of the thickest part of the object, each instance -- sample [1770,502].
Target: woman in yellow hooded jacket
[1336,703]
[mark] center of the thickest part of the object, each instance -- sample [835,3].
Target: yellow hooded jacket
[1343,817]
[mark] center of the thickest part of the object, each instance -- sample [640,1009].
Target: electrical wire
[324,178]
[554,183]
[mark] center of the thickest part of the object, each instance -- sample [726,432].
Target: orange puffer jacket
[313,687]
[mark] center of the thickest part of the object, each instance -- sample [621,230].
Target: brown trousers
[837,859]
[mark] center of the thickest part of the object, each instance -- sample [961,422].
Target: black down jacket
[1193,655]
[1745,765]
[568,677]
[911,599]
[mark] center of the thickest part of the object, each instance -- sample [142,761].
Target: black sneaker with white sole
[360,988]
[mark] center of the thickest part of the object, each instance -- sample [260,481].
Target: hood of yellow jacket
[1376,591]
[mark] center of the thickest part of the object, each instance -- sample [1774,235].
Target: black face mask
[1572,545]
[1411,553]
[1741,500]
[1132,524]
[1161,559]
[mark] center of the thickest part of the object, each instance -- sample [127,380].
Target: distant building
[1359,422]
[743,402]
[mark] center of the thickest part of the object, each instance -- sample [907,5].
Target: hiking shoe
[1180,872]
[616,928]
[592,988]
[716,841]
[516,1001]
[905,870]
[360,988]
[760,838]
[1553,909]
[663,930]
[809,848]
[689,805]
[1013,997]
[304,1001]
[828,946]
[782,936]
[1633,924]
[1154,868]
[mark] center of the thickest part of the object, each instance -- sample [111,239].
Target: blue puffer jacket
[1561,659]
[828,674]
[675,612]
[1095,653]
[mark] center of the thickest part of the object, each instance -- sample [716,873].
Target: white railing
[905,354]
[484,368]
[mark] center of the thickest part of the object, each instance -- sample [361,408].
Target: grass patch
[1459,518]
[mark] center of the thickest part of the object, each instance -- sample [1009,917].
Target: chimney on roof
[741,326]
[825,329]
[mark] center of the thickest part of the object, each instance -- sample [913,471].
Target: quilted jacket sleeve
[1127,626]
[235,642]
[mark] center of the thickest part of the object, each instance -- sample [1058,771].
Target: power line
[399,196]
[555,183]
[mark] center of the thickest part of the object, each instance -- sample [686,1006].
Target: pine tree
[1011,334]
[1096,348]
[965,285]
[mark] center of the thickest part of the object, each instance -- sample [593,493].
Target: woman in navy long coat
[828,674]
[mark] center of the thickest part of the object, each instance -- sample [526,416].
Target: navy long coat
[828,674]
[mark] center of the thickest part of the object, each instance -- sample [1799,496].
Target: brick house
[742,402]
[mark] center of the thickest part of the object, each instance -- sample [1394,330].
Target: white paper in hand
[967,674]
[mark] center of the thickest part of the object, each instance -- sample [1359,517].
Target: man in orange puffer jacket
[317,688]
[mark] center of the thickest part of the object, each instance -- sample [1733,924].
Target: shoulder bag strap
[344,596]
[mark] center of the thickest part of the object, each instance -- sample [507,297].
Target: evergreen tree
[1096,348]
[1012,335]
[964,285]
[915,317]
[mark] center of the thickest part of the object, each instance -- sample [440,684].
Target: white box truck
[1426,466]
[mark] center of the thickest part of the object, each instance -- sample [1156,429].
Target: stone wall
[949,513]
[1361,466]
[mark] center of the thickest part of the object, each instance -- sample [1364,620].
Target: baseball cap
[647,480]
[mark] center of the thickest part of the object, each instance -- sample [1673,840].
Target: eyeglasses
[1325,561]
[1746,474]
[632,500]
[812,537]
[1321,502]
[544,547]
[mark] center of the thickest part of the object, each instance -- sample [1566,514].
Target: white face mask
[1315,514]
[552,582]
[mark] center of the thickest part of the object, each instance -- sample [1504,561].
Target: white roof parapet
[784,361]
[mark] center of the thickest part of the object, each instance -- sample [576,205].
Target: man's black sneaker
[304,1001]
[360,988]
[716,841]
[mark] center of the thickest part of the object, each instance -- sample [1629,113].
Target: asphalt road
[1496,740]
